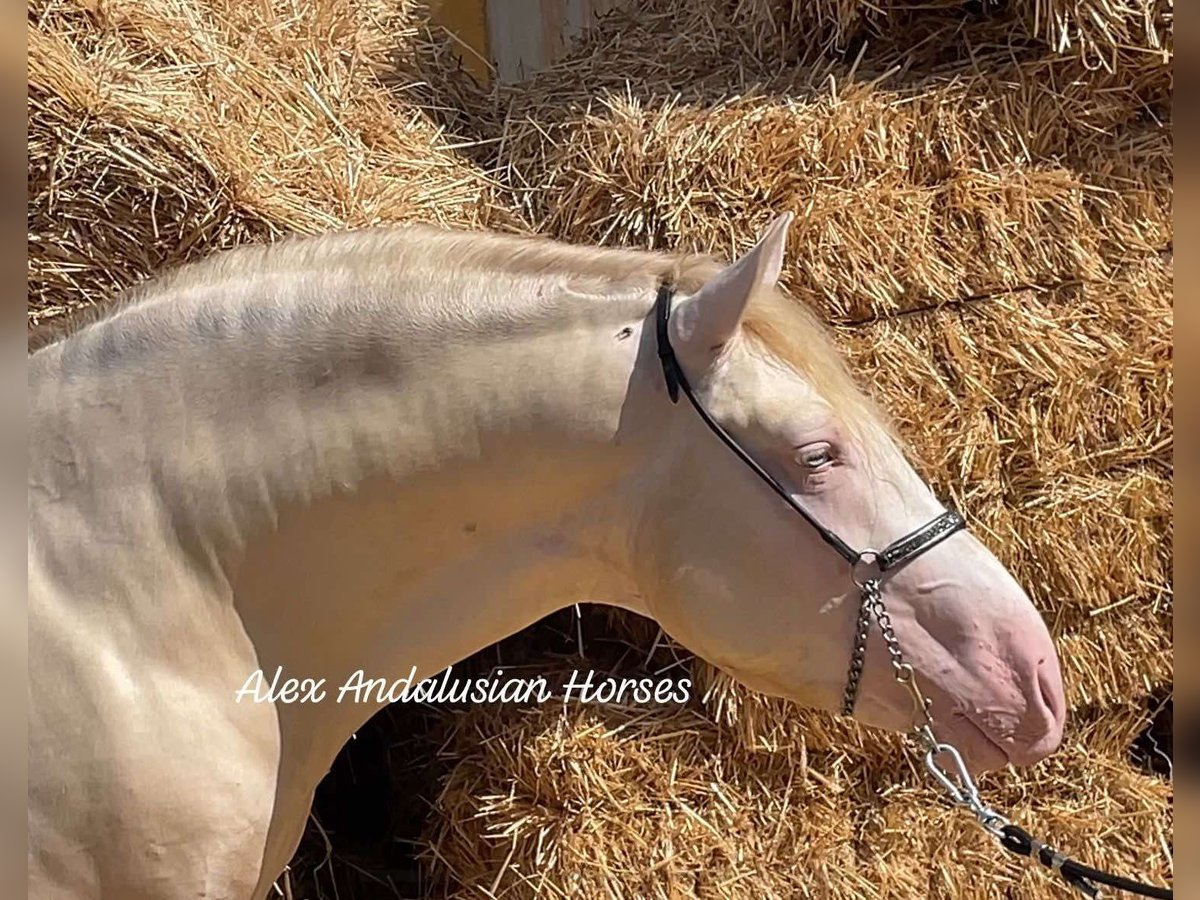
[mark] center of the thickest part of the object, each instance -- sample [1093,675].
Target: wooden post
[517,37]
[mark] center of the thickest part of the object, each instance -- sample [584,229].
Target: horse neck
[371,483]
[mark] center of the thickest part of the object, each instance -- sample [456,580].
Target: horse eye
[815,457]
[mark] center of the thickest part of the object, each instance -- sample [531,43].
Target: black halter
[866,566]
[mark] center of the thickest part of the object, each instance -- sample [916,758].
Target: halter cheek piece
[867,567]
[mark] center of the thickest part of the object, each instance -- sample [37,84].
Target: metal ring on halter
[869,558]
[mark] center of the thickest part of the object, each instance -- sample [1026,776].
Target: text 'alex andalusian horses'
[389,449]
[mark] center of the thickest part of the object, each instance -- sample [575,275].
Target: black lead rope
[1016,839]
[1011,837]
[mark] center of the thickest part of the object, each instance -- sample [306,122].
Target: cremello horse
[391,448]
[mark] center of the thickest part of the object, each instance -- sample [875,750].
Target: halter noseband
[867,567]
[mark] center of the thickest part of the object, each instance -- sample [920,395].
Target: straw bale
[573,801]
[1004,169]
[1103,31]
[612,801]
[165,129]
[111,198]
[1113,35]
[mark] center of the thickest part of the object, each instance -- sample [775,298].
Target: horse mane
[407,247]
[783,327]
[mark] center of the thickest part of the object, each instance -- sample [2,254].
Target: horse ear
[703,323]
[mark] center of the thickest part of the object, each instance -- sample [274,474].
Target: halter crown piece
[867,568]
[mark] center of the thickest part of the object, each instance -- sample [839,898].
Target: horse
[383,449]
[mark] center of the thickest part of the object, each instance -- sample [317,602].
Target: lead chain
[858,655]
[957,783]
[873,603]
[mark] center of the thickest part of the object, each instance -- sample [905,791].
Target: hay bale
[113,195]
[615,801]
[608,801]
[1105,31]
[165,129]
[1106,34]
[1005,165]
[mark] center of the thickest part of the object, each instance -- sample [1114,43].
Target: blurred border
[1187,479]
[13,671]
